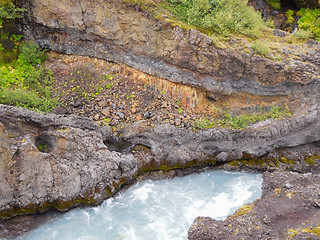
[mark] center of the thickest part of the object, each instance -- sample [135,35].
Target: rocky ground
[115,95]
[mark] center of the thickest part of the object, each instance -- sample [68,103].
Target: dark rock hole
[116,145]
[288,4]
[45,143]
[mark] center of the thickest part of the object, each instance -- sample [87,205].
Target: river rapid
[155,210]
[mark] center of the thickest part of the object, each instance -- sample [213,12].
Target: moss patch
[43,207]
[312,160]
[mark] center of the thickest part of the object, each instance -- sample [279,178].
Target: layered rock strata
[114,31]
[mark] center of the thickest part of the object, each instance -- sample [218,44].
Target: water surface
[155,210]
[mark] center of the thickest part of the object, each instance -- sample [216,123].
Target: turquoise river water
[155,210]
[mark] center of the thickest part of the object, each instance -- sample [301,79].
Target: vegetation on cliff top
[210,16]
[310,21]
[216,16]
[8,11]
[233,20]
[25,83]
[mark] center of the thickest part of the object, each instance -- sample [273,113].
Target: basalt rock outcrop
[123,33]
[49,162]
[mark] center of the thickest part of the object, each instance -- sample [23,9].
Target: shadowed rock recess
[59,162]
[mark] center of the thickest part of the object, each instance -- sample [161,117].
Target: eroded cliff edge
[287,209]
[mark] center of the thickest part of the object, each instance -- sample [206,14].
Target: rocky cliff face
[114,31]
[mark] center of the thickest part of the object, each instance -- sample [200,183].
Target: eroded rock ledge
[54,161]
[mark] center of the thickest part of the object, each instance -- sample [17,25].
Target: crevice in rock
[288,4]
[82,15]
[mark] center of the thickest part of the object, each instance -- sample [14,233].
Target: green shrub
[289,15]
[223,17]
[31,54]
[310,21]
[204,123]
[260,47]
[21,97]
[27,84]
[245,120]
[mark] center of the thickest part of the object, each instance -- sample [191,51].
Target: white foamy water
[155,210]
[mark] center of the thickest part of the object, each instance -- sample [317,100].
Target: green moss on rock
[45,206]
[312,160]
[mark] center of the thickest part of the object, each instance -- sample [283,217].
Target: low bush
[310,21]
[22,97]
[244,120]
[204,123]
[223,17]
[247,119]
[303,34]
[27,84]
[289,15]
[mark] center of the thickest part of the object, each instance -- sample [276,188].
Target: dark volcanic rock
[288,209]
[53,161]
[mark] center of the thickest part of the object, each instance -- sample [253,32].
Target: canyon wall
[59,162]
[53,161]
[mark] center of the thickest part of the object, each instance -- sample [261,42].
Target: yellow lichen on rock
[245,209]
[277,191]
[290,194]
